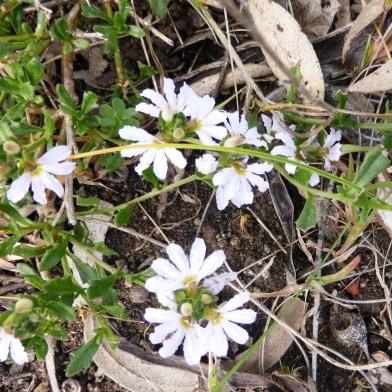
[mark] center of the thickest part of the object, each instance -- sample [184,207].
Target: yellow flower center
[240,168]
[194,125]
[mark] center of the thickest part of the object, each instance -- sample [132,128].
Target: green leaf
[115,310]
[373,164]
[123,216]
[39,345]
[99,287]
[102,248]
[308,216]
[28,251]
[60,31]
[87,201]
[159,7]
[53,256]
[87,273]
[92,11]
[67,103]
[61,286]
[82,357]
[111,162]
[135,31]
[61,310]
[30,275]
[7,245]
[150,176]
[81,43]
[16,217]
[89,102]
[81,231]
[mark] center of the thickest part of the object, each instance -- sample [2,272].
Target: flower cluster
[188,117]
[187,290]
[185,115]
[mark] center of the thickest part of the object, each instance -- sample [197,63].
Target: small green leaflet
[308,216]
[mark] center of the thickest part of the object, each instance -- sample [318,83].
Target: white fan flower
[173,329]
[204,119]
[166,105]
[183,272]
[240,133]
[10,345]
[207,164]
[39,176]
[235,183]
[158,157]
[332,147]
[288,150]
[223,324]
[274,125]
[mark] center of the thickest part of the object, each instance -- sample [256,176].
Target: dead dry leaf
[289,43]
[207,84]
[315,18]
[278,340]
[368,14]
[378,81]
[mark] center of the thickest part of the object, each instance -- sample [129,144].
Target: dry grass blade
[377,82]
[288,42]
[368,14]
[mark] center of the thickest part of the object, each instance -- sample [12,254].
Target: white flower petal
[18,353]
[223,176]
[287,139]
[160,164]
[283,151]
[267,122]
[184,97]
[215,284]
[244,195]
[207,164]
[19,188]
[38,188]
[212,263]
[149,109]
[175,157]
[166,269]
[157,284]
[261,184]
[260,168]
[177,256]
[314,179]
[62,169]
[205,138]
[215,117]
[198,253]
[168,299]
[156,98]
[55,155]
[52,183]
[332,138]
[235,332]
[217,340]
[215,131]
[291,169]
[193,348]
[171,345]
[206,106]
[242,316]
[221,200]
[5,341]
[334,153]
[168,90]
[161,331]
[145,161]
[153,315]
[234,303]
[136,134]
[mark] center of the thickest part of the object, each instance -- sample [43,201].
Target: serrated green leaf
[66,101]
[81,231]
[87,273]
[28,251]
[61,286]
[92,11]
[39,345]
[89,102]
[111,162]
[60,31]
[6,246]
[308,216]
[53,256]
[30,275]
[99,288]
[123,216]
[61,310]
[82,357]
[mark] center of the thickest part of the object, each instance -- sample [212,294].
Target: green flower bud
[24,305]
[186,309]
[206,299]
[178,133]
[11,147]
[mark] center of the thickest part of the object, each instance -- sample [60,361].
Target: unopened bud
[178,133]
[24,305]
[206,299]
[10,147]
[186,309]
[234,141]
